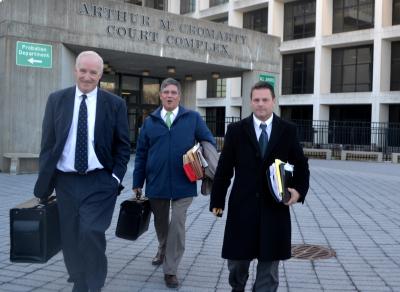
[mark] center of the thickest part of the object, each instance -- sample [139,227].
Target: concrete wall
[82,23]
[99,24]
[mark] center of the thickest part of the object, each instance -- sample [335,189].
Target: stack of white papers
[279,174]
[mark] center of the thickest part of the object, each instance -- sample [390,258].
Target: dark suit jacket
[257,226]
[111,141]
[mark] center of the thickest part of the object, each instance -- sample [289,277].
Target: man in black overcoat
[84,154]
[257,226]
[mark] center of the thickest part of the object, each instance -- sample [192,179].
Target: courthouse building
[329,60]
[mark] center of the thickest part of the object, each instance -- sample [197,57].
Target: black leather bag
[34,231]
[134,218]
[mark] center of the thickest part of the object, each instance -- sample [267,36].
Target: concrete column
[188,97]
[203,4]
[235,18]
[174,6]
[233,88]
[321,134]
[275,18]
[201,93]
[387,7]
[68,65]
[381,66]
[324,10]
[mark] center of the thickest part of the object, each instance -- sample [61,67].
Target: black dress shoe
[171,281]
[158,259]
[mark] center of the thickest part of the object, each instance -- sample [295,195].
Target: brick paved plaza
[352,207]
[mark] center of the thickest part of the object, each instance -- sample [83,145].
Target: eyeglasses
[167,92]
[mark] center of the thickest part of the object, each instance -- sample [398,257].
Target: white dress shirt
[66,162]
[257,128]
[172,117]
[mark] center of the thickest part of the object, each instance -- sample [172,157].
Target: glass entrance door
[140,94]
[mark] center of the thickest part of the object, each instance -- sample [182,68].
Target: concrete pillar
[381,66]
[201,93]
[68,65]
[188,97]
[320,133]
[174,6]
[324,10]
[203,4]
[387,7]
[275,18]
[235,18]
[233,88]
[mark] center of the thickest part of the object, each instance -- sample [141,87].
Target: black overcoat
[257,226]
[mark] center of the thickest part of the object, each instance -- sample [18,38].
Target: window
[298,73]
[215,120]
[352,69]
[223,20]
[395,67]
[188,6]
[156,4]
[299,20]
[216,88]
[136,2]
[256,20]
[396,12]
[351,15]
[217,2]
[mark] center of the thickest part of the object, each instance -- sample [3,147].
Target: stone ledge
[19,163]
[318,153]
[395,157]
[361,155]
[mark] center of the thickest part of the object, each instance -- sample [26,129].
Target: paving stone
[365,234]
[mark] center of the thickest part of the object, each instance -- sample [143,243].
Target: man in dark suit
[257,226]
[84,154]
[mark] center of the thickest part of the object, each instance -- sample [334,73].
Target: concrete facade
[380,36]
[130,38]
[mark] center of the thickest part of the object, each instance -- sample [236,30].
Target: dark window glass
[395,67]
[136,2]
[396,12]
[256,20]
[216,88]
[299,20]
[298,73]
[188,6]
[215,120]
[352,69]
[157,4]
[349,15]
[217,2]
[223,20]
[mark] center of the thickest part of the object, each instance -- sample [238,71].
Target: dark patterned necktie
[263,140]
[81,148]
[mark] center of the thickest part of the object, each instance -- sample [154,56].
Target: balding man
[84,154]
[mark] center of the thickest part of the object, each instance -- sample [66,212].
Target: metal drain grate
[312,252]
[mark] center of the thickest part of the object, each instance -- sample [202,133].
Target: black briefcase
[34,231]
[134,218]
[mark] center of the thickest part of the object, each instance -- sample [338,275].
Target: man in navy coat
[167,134]
[257,226]
[84,154]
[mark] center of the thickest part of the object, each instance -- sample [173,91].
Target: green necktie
[168,119]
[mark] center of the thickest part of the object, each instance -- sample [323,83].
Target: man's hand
[217,212]
[43,200]
[137,192]
[294,197]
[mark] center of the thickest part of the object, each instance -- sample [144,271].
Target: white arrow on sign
[33,61]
